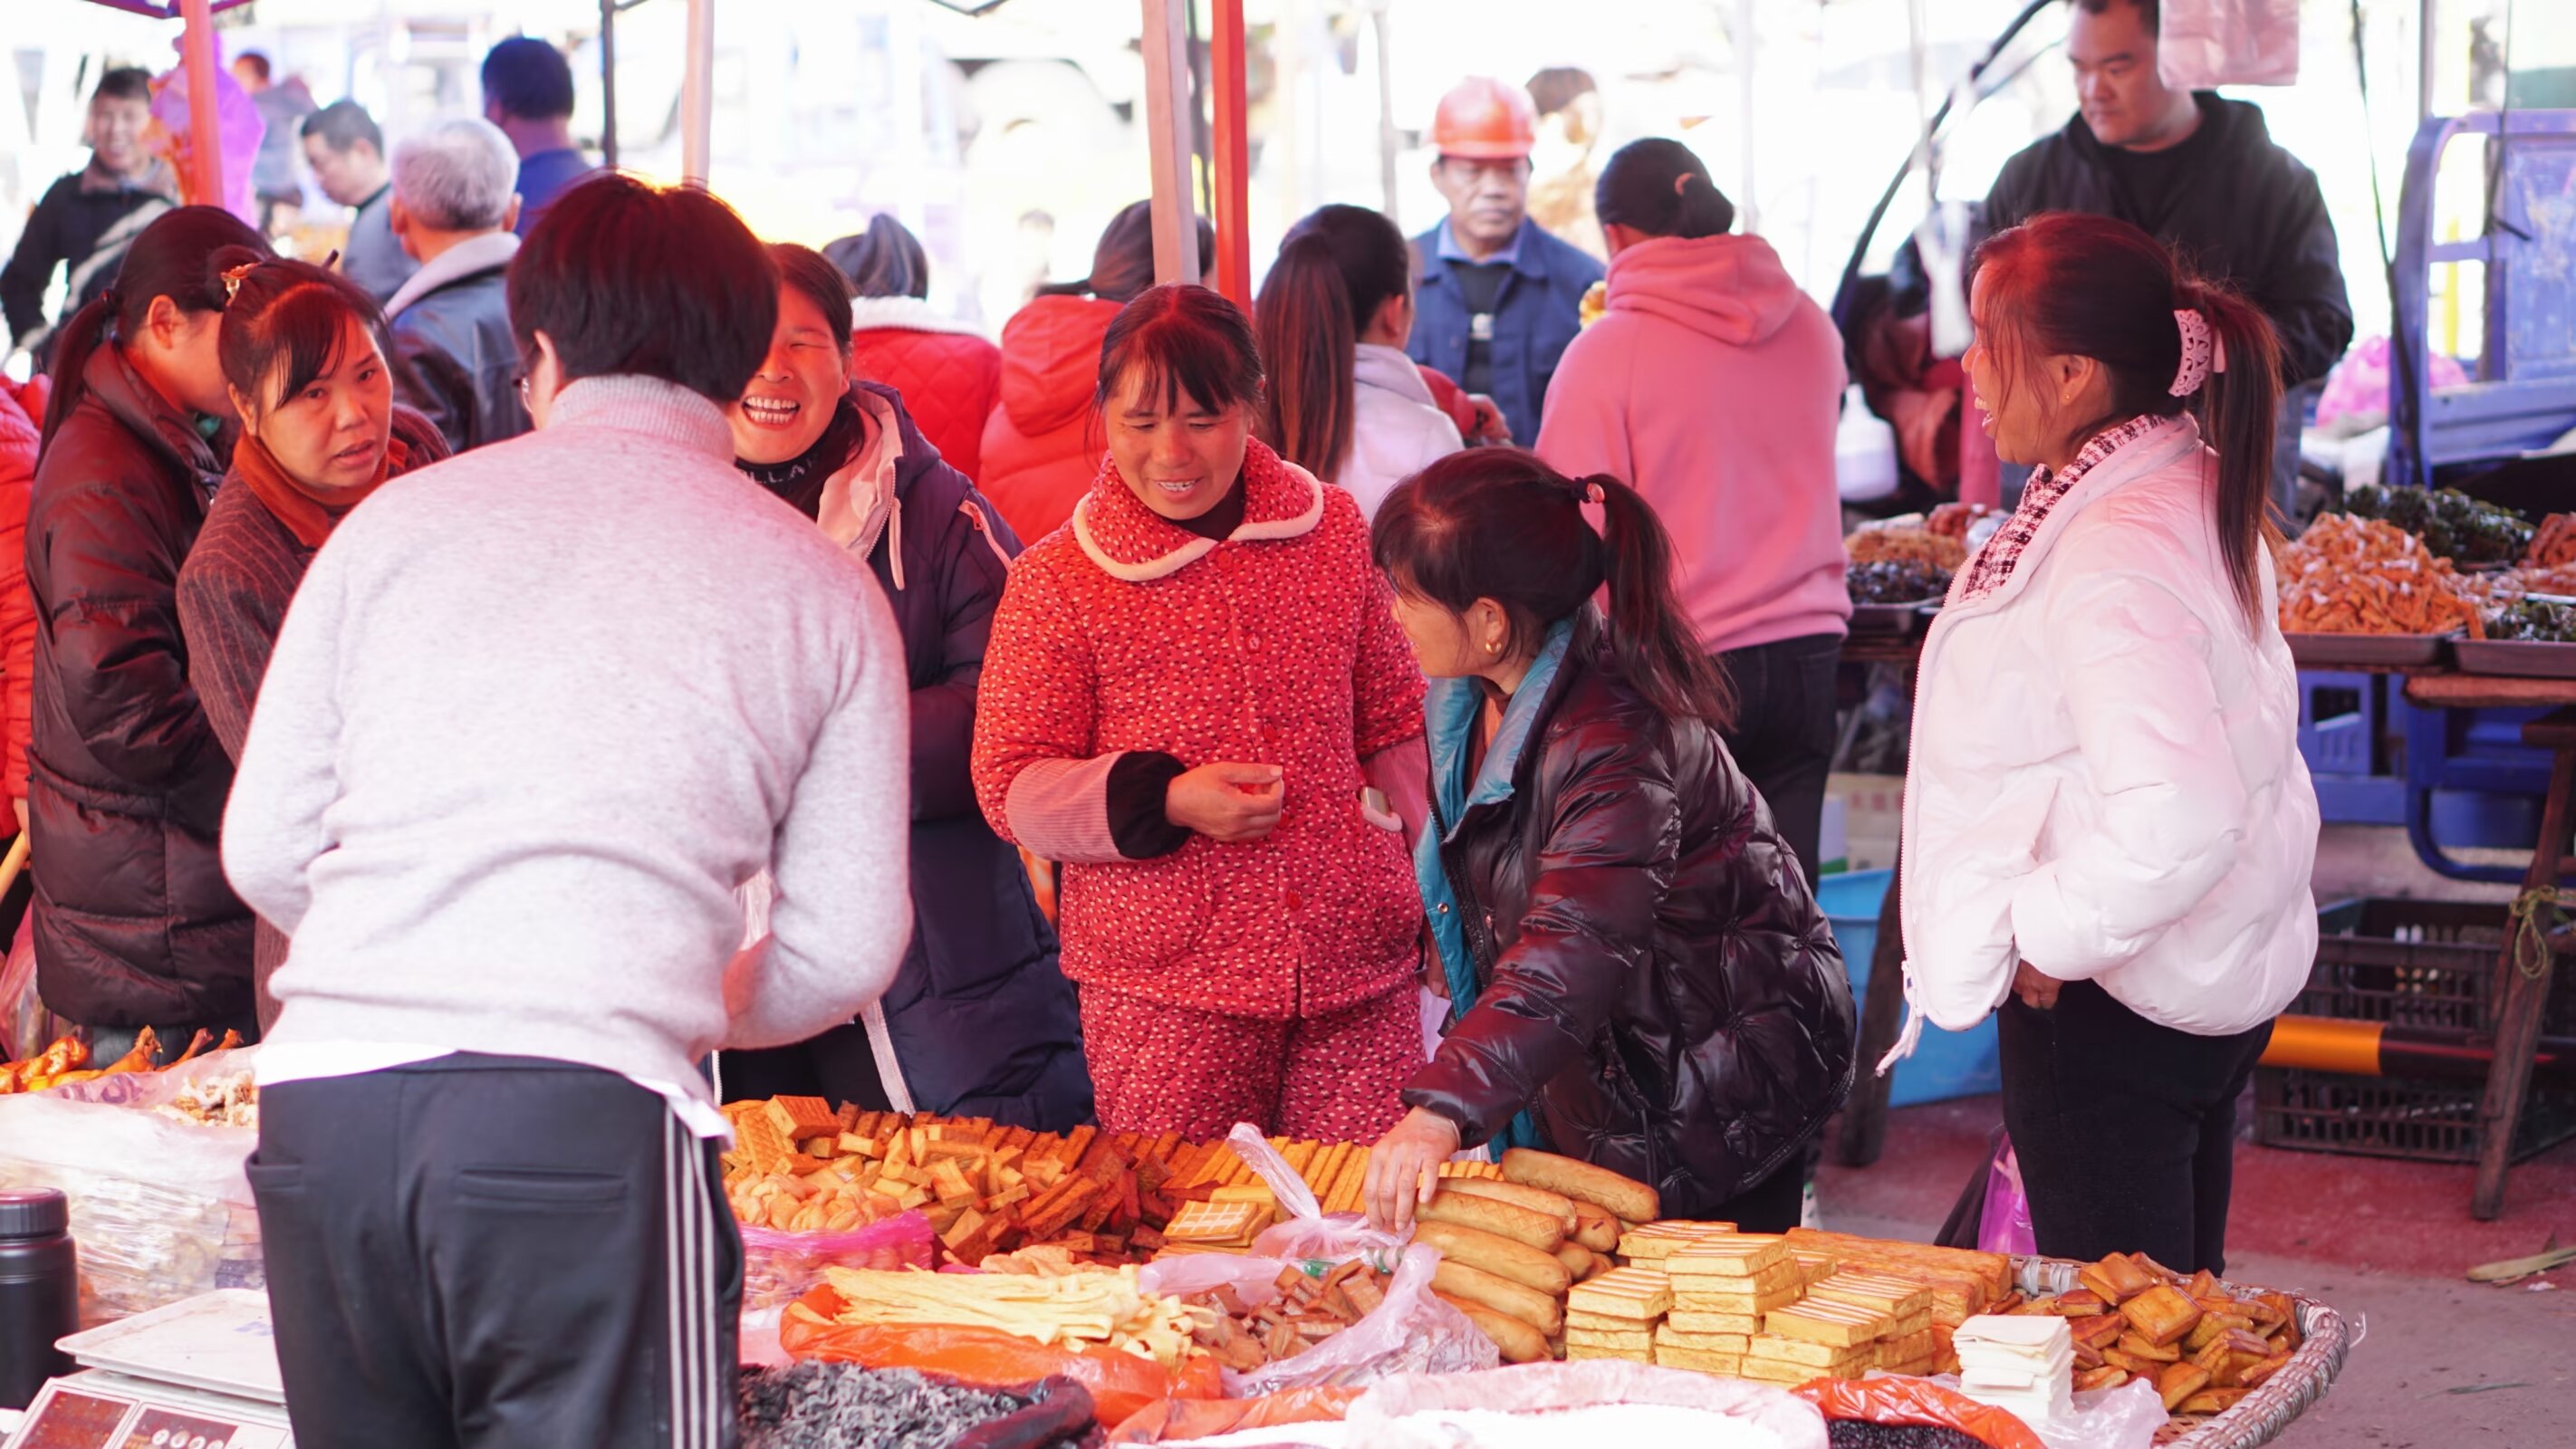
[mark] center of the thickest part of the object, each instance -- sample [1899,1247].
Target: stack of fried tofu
[1615,1315]
[1722,1289]
[1910,1343]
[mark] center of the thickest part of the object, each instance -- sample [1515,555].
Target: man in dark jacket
[2199,173]
[347,153]
[86,220]
[1496,299]
[455,357]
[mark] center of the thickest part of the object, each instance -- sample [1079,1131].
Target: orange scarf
[305,513]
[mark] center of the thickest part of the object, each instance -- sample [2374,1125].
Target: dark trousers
[2125,1129]
[1783,739]
[496,1252]
[837,1066]
[1771,1205]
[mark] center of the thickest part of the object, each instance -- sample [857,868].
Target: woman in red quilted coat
[1187,695]
[22,411]
[946,370]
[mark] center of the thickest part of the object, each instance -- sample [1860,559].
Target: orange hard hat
[1485,120]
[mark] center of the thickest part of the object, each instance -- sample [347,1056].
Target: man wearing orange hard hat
[1496,299]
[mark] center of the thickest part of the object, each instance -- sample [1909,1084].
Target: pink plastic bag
[1413,1331]
[2004,1225]
[2207,43]
[1308,1236]
[2358,386]
[779,1267]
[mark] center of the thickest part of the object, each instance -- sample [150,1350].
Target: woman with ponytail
[2108,829]
[303,355]
[1344,402]
[134,925]
[1711,382]
[1639,975]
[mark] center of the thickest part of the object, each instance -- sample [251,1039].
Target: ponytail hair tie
[1588,490]
[2202,352]
[1681,184]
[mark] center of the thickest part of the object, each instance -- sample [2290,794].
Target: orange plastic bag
[1180,1420]
[1917,1401]
[1120,1383]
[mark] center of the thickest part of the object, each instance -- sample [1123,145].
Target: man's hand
[2036,988]
[1231,804]
[1404,1168]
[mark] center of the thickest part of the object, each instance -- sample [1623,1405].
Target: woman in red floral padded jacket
[1186,696]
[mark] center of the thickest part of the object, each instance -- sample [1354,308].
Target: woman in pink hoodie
[1712,385]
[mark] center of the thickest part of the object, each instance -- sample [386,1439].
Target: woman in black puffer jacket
[1642,978]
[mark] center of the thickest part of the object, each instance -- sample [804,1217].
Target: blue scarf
[1449,712]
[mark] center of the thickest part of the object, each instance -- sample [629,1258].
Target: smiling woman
[304,366]
[1186,695]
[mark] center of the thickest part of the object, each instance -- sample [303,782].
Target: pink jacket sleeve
[1035,770]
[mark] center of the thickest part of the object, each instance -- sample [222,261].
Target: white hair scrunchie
[2202,352]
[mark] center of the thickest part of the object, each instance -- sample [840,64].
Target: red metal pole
[205,137]
[1233,178]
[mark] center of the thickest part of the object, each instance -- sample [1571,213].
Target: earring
[1493,646]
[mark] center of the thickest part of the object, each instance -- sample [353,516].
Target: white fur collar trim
[1199,548]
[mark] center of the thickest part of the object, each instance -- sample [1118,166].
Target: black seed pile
[1853,1434]
[816,1405]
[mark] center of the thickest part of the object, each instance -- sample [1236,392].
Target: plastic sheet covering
[238,129]
[1181,1420]
[1120,1384]
[2208,43]
[159,1208]
[779,1267]
[1893,1400]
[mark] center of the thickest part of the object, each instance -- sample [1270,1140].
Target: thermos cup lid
[33,1212]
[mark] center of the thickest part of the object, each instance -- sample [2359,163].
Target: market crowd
[573,640]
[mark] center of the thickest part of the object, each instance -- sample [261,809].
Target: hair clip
[233,281]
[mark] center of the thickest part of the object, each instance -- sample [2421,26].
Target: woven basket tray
[2261,1415]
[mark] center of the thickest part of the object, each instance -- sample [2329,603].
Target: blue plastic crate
[2339,722]
[2343,722]
[1945,1064]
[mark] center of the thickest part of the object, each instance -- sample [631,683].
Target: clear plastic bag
[2203,44]
[1412,1332]
[160,1208]
[779,1267]
[1308,1236]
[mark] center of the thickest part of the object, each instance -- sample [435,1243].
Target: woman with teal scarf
[1639,975]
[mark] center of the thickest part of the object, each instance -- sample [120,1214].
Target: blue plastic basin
[1945,1064]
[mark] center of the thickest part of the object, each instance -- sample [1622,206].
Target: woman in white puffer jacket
[2108,828]
[1343,401]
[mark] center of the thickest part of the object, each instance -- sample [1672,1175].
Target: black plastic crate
[2416,1118]
[2408,963]
[2418,963]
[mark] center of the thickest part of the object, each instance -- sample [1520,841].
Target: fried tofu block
[2161,1314]
[2180,1381]
[2136,1347]
[2212,1401]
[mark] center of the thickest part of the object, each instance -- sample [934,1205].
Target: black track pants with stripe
[484,1252]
